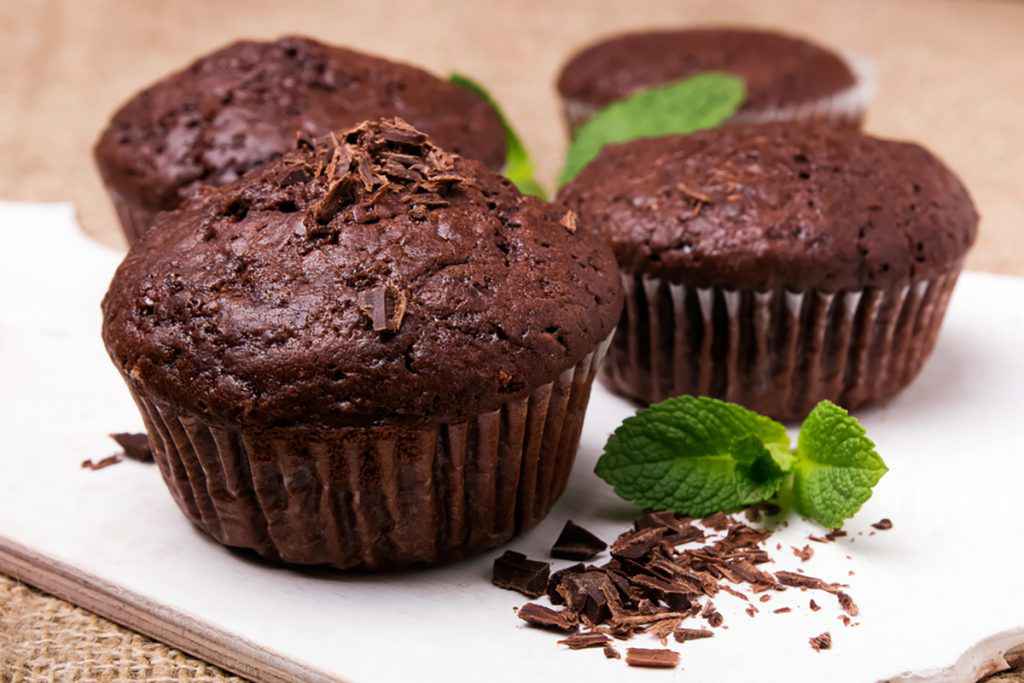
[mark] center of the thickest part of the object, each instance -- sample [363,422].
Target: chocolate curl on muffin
[368,353]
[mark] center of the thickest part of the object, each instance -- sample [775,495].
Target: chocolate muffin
[776,265]
[242,105]
[366,353]
[787,78]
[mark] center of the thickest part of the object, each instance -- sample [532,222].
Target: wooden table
[949,77]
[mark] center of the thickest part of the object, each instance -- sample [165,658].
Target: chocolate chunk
[545,617]
[847,603]
[822,642]
[384,306]
[652,658]
[611,653]
[684,634]
[100,464]
[883,524]
[576,543]
[136,446]
[581,641]
[556,578]
[634,545]
[514,571]
[590,594]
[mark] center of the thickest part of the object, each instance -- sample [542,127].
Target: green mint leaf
[518,166]
[696,456]
[836,466]
[702,101]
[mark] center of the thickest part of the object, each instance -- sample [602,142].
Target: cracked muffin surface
[241,105]
[776,206]
[367,276]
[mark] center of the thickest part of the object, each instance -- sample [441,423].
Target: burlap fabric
[46,639]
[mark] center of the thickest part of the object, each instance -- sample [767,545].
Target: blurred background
[949,74]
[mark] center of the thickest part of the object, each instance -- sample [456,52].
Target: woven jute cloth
[43,638]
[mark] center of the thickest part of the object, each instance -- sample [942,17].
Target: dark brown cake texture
[786,77]
[368,353]
[240,106]
[776,266]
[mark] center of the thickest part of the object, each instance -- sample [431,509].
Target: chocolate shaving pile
[661,574]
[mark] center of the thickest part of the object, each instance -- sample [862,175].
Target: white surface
[947,576]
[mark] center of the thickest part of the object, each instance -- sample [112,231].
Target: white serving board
[945,578]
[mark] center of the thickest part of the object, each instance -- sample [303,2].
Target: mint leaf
[518,166]
[836,466]
[702,101]
[695,456]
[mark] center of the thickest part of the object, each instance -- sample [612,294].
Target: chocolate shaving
[576,543]
[611,653]
[136,446]
[569,221]
[783,610]
[101,464]
[795,580]
[514,571]
[805,553]
[384,305]
[634,545]
[883,524]
[684,634]
[651,658]
[718,521]
[581,641]
[545,617]
[814,606]
[847,603]
[822,642]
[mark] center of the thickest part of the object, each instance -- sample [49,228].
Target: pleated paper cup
[845,108]
[375,497]
[776,352]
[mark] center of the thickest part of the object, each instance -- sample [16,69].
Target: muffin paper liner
[376,496]
[776,352]
[846,107]
[135,220]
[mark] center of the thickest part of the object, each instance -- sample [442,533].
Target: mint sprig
[698,455]
[698,102]
[518,165]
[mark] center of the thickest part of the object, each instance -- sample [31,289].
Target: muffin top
[779,70]
[776,205]
[240,106]
[363,278]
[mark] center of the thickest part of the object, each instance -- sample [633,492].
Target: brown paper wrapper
[379,496]
[776,352]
